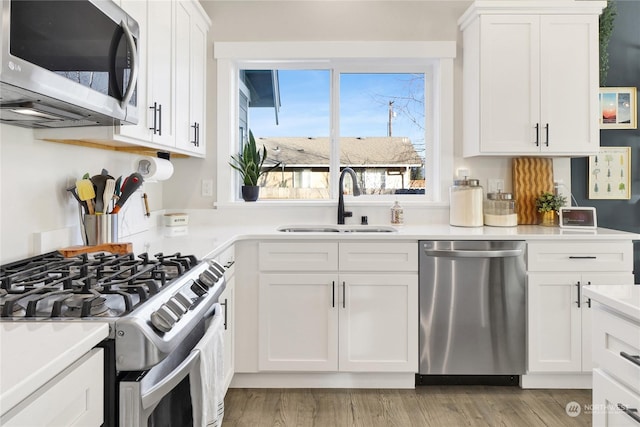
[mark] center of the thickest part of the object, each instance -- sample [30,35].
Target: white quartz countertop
[32,353]
[206,240]
[621,298]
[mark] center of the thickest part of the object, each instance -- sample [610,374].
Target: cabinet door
[587,337]
[378,322]
[227,300]
[160,71]
[554,322]
[183,81]
[198,77]
[509,83]
[72,398]
[569,84]
[298,322]
[191,35]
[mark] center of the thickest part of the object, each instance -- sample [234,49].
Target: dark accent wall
[624,71]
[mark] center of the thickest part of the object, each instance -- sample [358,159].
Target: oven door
[167,394]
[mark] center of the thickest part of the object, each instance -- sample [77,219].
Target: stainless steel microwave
[67,64]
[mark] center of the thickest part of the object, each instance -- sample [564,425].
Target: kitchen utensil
[99,182]
[107,195]
[118,188]
[86,193]
[132,183]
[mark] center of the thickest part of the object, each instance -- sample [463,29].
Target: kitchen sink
[337,229]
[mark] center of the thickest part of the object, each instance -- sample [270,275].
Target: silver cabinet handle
[579,288]
[583,257]
[635,359]
[473,254]
[133,79]
[537,134]
[632,412]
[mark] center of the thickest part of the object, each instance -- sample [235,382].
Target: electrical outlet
[495,185]
[207,188]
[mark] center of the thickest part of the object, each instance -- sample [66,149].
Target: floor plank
[425,406]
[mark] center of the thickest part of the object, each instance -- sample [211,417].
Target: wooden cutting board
[114,248]
[532,176]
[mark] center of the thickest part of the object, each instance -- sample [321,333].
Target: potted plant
[249,162]
[548,205]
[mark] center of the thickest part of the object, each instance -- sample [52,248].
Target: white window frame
[435,58]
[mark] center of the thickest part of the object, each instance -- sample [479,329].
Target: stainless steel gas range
[158,308]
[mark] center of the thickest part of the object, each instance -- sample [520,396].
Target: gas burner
[88,285]
[86,305]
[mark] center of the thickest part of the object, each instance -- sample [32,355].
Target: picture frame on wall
[618,108]
[610,174]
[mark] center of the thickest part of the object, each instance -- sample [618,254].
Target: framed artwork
[618,108]
[610,174]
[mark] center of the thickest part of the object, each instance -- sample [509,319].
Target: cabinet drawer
[580,256]
[309,256]
[378,257]
[617,347]
[607,395]
[72,398]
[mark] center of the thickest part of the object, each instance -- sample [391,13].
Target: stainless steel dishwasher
[472,308]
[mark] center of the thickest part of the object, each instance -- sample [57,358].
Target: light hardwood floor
[424,406]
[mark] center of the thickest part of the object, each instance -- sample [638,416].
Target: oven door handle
[162,388]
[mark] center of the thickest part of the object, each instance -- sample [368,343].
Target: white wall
[33,177]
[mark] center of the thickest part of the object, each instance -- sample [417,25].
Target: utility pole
[391,115]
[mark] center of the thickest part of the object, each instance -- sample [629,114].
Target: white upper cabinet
[530,78]
[191,38]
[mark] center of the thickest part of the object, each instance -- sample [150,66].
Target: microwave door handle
[134,65]
[168,383]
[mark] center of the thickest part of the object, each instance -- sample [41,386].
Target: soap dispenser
[397,214]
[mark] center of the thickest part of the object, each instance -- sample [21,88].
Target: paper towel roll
[154,169]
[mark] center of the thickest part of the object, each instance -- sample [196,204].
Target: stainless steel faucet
[356,192]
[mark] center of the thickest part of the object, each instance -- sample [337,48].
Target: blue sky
[364,108]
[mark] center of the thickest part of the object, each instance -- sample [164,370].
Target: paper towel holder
[154,169]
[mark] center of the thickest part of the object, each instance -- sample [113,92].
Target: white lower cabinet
[559,315]
[72,398]
[227,301]
[330,321]
[559,319]
[616,381]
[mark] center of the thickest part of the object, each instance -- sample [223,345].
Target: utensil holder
[100,229]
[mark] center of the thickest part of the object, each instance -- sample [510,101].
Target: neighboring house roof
[386,151]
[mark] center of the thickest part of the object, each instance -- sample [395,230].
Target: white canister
[466,200]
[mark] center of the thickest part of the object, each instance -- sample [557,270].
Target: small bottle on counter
[397,214]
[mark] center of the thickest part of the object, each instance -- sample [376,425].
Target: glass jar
[500,210]
[465,208]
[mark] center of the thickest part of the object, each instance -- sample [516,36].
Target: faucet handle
[348,214]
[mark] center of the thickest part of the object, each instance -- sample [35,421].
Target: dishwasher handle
[466,253]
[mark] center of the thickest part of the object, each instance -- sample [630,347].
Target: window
[383,115]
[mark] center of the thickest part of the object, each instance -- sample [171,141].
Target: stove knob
[214,265]
[183,300]
[163,319]
[176,307]
[208,278]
